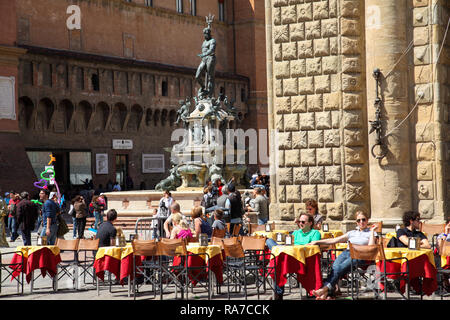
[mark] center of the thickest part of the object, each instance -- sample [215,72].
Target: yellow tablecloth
[27,250]
[212,250]
[444,261]
[270,235]
[116,252]
[330,234]
[391,253]
[299,252]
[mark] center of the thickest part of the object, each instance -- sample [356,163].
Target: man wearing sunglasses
[304,235]
[411,221]
[363,235]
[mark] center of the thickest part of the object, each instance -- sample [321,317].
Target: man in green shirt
[302,236]
[306,233]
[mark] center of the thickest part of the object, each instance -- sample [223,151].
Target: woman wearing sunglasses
[363,235]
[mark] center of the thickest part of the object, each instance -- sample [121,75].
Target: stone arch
[156,117]
[134,122]
[65,113]
[172,117]
[26,110]
[101,115]
[82,116]
[45,110]
[148,117]
[118,117]
[164,115]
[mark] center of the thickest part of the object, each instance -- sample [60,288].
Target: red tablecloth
[116,260]
[301,260]
[421,265]
[215,262]
[45,258]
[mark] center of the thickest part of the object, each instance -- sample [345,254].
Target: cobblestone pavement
[43,288]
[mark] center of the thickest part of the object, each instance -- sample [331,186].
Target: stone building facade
[91,71]
[321,57]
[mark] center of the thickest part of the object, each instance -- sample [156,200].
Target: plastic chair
[149,270]
[236,228]
[68,253]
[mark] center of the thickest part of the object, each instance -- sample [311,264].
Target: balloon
[48,170]
[38,184]
[52,159]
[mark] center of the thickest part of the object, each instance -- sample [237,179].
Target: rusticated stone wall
[321,93]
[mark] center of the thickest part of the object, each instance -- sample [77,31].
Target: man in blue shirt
[50,210]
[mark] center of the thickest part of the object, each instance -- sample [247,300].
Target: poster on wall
[7,98]
[153,163]
[101,163]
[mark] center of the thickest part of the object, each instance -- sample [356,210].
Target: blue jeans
[74,224]
[262,221]
[51,239]
[98,219]
[341,267]
[12,226]
[26,237]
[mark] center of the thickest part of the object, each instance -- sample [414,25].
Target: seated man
[411,221]
[302,236]
[106,231]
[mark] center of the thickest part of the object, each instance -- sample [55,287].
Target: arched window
[221,10]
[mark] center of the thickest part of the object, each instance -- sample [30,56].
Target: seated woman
[302,236]
[443,236]
[342,265]
[200,224]
[180,228]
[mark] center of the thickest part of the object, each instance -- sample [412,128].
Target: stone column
[386,40]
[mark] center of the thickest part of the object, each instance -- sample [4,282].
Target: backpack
[208,203]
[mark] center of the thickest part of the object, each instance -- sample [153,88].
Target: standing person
[342,265]
[259,205]
[12,211]
[223,203]
[236,209]
[27,214]
[74,218]
[50,210]
[98,207]
[313,209]
[107,231]
[164,211]
[3,215]
[79,206]
[43,196]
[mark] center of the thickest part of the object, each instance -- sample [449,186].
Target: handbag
[62,227]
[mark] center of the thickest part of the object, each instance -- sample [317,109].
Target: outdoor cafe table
[198,260]
[45,258]
[116,260]
[270,234]
[330,234]
[303,260]
[421,264]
